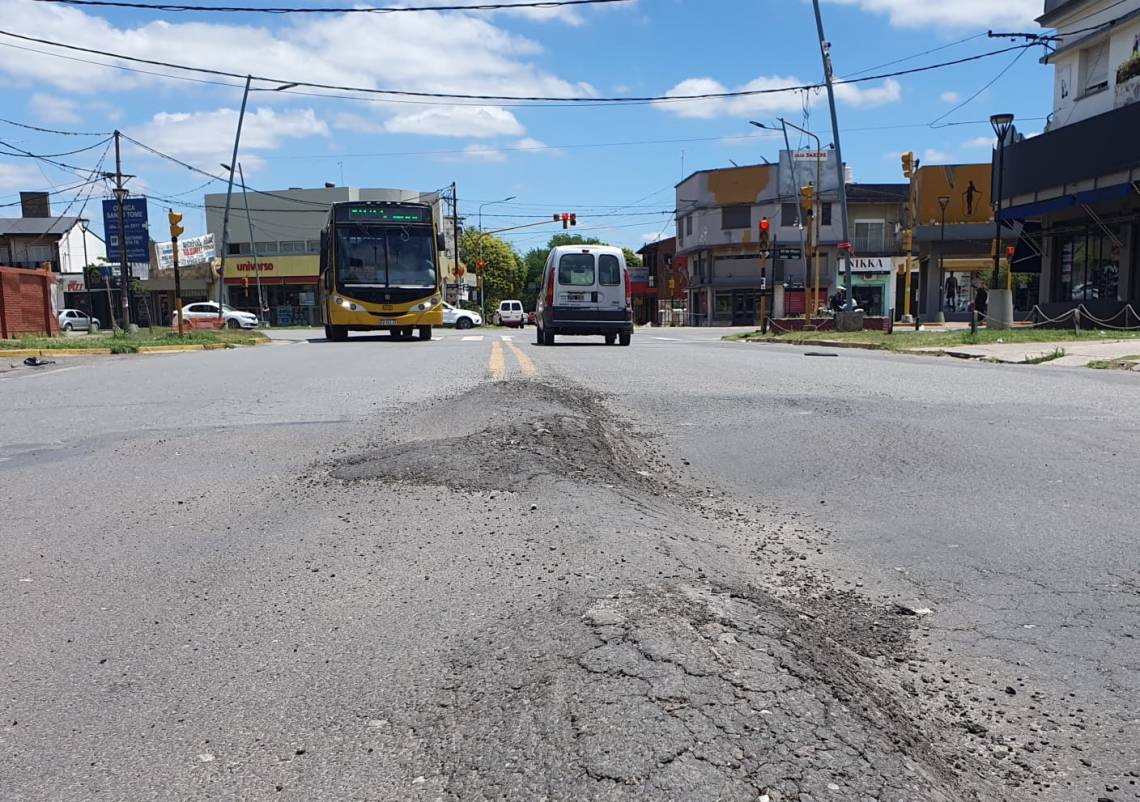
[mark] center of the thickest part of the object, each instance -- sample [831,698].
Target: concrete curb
[142,349]
[820,344]
[46,352]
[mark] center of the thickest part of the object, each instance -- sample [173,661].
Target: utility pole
[252,243]
[87,281]
[229,194]
[124,268]
[825,54]
[455,235]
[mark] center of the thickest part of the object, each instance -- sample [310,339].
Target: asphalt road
[476,568]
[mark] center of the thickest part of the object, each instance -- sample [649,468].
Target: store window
[1088,265]
[789,215]
[722,305]
[291,246]
[265,248]
[238,249]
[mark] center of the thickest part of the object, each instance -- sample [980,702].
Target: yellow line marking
[527,366]
[498,363]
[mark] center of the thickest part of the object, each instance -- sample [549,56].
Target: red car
[530,318]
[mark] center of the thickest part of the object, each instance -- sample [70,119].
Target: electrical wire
[62,191]
[631,100]
[27,155]
[54,130]
[540,4]
[42,158]
[934,123]
[914,56]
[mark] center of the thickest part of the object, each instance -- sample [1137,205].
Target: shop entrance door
[744,308]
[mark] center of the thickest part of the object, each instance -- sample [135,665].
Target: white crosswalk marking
[473,338]
[506,337]
[668,339]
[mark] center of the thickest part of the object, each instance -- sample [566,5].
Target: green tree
[631,258]
[503,270]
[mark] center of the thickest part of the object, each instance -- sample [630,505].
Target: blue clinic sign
[135,225]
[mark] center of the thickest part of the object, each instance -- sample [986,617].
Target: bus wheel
[425,332]
[336,334]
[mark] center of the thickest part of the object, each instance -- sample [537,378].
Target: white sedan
[460,318]
[204,310]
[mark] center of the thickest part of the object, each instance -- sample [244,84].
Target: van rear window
[576,269]
[609,270]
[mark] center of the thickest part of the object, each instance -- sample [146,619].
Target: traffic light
[908,164]
[565,220]
[807,198]
[479,266]
[176,228]
[573,219]
[765,234]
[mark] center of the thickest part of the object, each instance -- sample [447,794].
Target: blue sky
[552,159]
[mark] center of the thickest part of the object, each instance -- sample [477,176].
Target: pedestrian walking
[982,300]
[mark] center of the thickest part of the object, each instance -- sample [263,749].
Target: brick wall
[25,303]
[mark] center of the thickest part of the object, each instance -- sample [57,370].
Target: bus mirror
[440,241]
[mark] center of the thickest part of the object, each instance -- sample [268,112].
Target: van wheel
[537,336]
[547,337]
[625,337]
[611,339]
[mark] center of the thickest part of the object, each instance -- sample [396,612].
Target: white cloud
[424,52]
[206,138]
[933,155]
[358,123]
[51,109]
[651,236]
[951,13]
[979,142]
[484,154]
[465,121]
[19,177]
[771,101]
[538,146]
[950,96]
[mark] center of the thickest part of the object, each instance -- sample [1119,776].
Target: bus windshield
[385,256]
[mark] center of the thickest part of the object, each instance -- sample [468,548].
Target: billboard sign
[798,169]
[191,251]
[967,187]
[135,226]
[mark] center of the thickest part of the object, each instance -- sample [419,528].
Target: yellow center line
[498,363]
[527,366]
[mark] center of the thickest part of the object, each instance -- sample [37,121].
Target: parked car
[511,314]
[460,318]
[530,319]
[585,290]
[75,320]
[202,310]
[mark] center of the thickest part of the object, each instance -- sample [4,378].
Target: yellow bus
[380,269]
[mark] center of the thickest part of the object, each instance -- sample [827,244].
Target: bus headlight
[429,304]
[340,301]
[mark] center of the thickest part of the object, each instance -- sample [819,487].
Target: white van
[585,290]
[510,314]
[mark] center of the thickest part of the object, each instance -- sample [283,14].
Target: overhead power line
[517,98]
[55,130]
[542,4]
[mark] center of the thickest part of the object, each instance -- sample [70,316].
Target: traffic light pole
[825,54]
[177,285]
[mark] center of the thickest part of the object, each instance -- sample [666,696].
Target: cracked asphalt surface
[687,570]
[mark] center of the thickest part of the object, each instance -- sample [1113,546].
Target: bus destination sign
[386,214]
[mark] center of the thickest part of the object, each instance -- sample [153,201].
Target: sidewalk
[1078,353]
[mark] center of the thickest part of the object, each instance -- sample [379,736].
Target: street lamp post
[479,273]
[943,202]
[261,308]
[83,221]
[1001,124]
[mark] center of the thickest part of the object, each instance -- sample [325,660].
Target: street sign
[809,155]
[135,226]
[781,253]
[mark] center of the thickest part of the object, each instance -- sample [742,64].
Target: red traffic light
[764,225]
[565,220]
[479,266]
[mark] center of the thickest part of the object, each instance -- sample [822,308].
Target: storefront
[872,282]
[287,286]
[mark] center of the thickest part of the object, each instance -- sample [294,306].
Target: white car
[203,310]
[511,314]
[460,318]
[75,320]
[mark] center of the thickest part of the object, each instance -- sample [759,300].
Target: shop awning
[1040,208]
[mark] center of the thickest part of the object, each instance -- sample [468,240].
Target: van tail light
[550,289]
[628,292]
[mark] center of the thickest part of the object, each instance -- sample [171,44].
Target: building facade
[286,226]
[718,218]
[667,282]
[1079,181]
